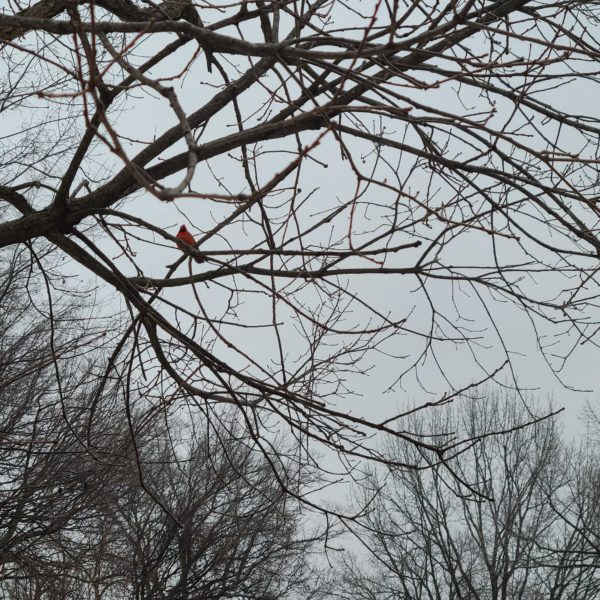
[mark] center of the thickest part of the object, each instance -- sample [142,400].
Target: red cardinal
[185,240]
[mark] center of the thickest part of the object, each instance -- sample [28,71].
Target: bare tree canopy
[536,540]
[374,191]
[131,507]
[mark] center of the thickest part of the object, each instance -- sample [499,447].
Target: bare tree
[578,503]
[51,484]
[429,541]
[240,536]
[142,504]
[460,178]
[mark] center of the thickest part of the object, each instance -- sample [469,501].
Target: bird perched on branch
[186,243]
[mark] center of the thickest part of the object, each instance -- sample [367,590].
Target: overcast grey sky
[448,365]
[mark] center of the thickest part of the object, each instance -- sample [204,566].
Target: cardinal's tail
[198,259]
